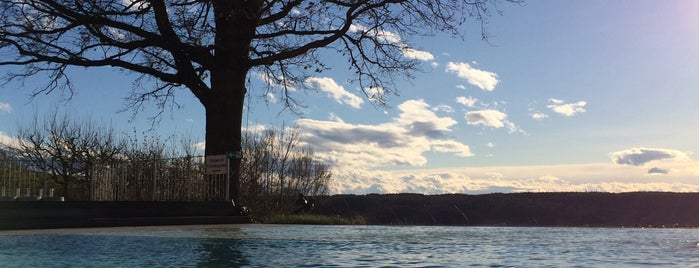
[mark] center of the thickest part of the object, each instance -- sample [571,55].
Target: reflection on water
[350,246]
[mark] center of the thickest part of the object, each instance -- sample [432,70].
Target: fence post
[228,178]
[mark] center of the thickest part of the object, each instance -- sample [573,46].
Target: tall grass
[315,219]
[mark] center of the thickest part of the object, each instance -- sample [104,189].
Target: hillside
[637,209]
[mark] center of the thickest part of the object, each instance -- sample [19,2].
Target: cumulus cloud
[402,141]
[467,101]
[641,156]
[482,79]
[417,54]
[337,92]
[566,109]
[489,118]
[492,118]
[451,146]
[5,107]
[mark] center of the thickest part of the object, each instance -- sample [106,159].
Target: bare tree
[68,150]
[276,169]
[212,47]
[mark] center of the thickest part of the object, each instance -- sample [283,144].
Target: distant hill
[636,209]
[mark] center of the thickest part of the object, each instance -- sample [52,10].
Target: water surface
[349,246]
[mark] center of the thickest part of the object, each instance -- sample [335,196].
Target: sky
[563,96]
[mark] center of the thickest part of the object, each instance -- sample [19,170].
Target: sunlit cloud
[597,177]
[566,109]
[467,101]
[383,35]
[337,92]
[492,118]
[489,118]
[402,141]
[451,146]
[9,141]
[539,116]
[375,94]
[417,54]
[482,79]
[641,156]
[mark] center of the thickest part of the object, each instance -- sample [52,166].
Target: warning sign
[216,164]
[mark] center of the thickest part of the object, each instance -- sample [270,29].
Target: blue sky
[565,96]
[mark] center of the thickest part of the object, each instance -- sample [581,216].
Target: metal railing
[19,180]
[175,179]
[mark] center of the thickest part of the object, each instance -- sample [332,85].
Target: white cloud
[334,117]
[271,98]
[601,177]
[444,108]
[490,118]
[467,101]
[641,156]
[460,86]
[5,107]
[451,146]
[482,79]
[539,116]
[200,146]
[279,82]
[566,109]
[416,130]
[9,141]
[376,94]
[380,34]
[383,35]
[417,54]
[337,92]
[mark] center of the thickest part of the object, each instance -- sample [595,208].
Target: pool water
[349,246]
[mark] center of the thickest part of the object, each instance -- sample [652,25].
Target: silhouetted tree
[276,169]
[68,150]
[212,47]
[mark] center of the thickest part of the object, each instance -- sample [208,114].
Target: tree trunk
[236,22]
[223,133]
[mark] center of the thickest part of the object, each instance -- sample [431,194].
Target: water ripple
[354,246]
